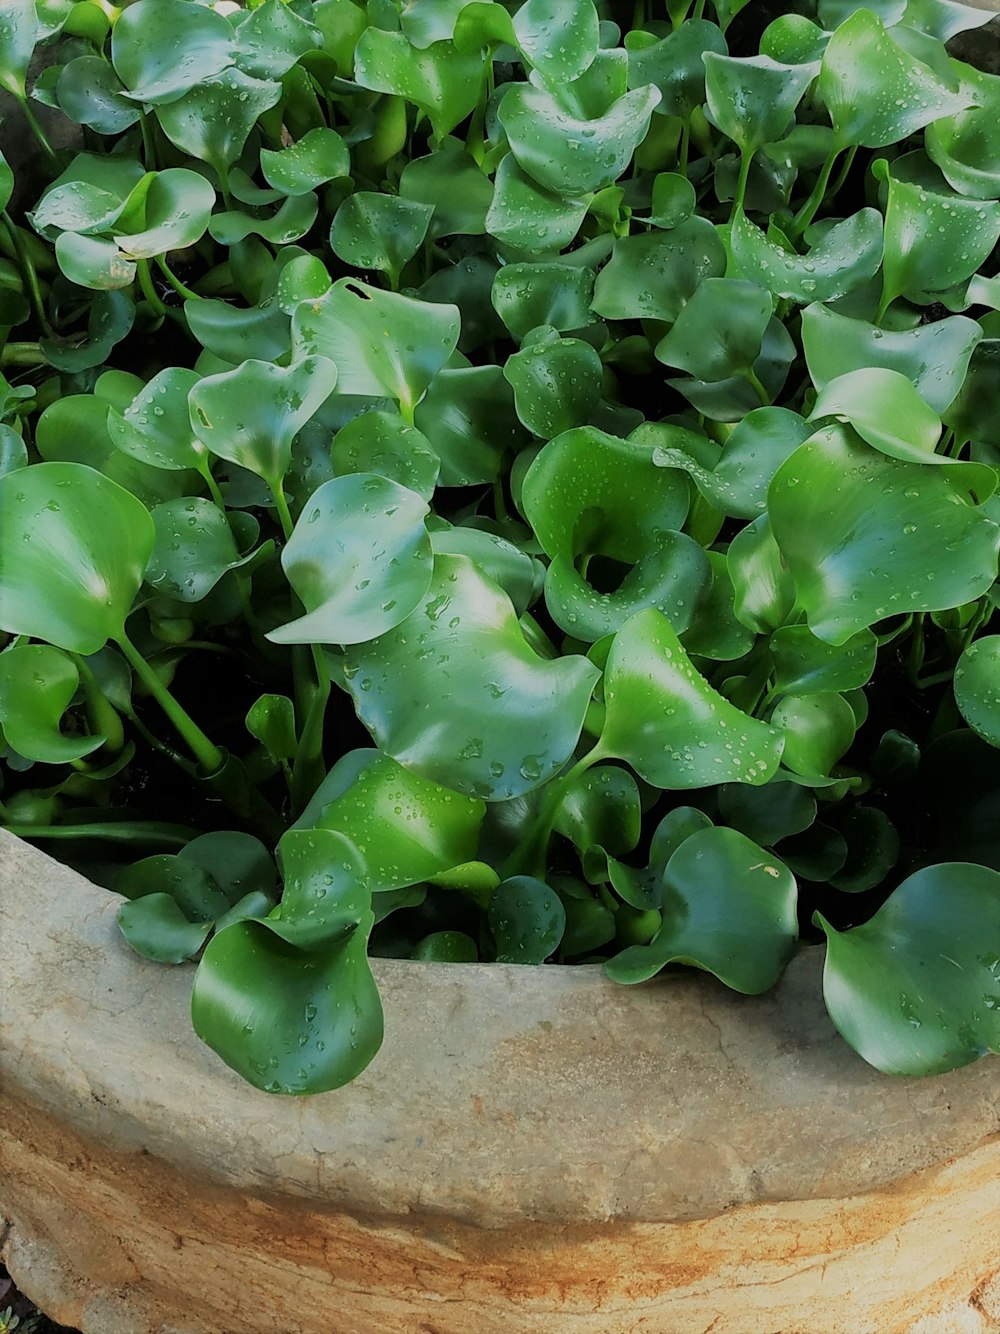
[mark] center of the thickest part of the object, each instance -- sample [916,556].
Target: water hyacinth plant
[508,481]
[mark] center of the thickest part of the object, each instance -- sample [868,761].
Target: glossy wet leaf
[157,928]
[763,587]
[381,343]
[90,93]
[977,687]
[271,720]
[767,814]
[507,565]
[440,80]
[192,887]
[234,333]
[666,721]
[872,850]
[272,38]
[174,213]
[916,990]
[934,238]
[18,34]
[728,908]
[653,276]
[375,231]
[453,185]
[37,685]
[73,549]
[559,37]
[714,631]
[162,48]
[818,729]
[319,156]
[194,547]
[861,57]
[446,947]
[933,357]
[468,417]
[156,427]
[673,64]
[885,410]
[719,333]
[556,384]
[286,224]
[251,415]
[382,443]
[359,560]
[527,919]
[807,665]
[94,262]
[213,120]
[457,694]
[318,1022]
[863,535]
[966,146]
[407,828]
[526,215]
[847,256]
[569,154]
[602,807]
[752,99]
[529,295]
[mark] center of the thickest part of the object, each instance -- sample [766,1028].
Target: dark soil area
[20,1315]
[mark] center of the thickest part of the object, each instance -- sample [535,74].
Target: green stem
[148,290]
[752,378]
[208,755]
[102,715]
[148,146]
[808,210]
[22,354]
[36,129]
[741,182]
[684,150]
[842,175]
[121,831]
[175,282]
[309,768]
[28,273]
[529,857]
[281,505]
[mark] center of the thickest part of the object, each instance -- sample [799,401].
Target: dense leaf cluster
[529,468]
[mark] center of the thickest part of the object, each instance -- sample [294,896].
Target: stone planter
[534,1149]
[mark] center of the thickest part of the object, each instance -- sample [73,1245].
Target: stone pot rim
[500,1093]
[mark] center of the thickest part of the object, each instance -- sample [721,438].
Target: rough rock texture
[532,1150]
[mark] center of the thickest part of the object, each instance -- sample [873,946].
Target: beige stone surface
[532,1150]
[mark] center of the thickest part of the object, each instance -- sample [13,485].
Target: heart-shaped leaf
[527,919]
[319,1021]
[156,927]
[559,37]
[763,588]
[271,38]
[966,146]
[884,409]
[442,81]
[673,64]
[818,728]
[864,535]
[529,295]
[287,224]
[525,215]
[655,275]
[251,415]
[193,549]
[933,357]
[233,334]
[916,990]
[375,231]
[807,665]
[767,814]
[602,807]
[470,415]
[156,427]
[359,560]
[457,694]
[175,207]
[453,185]
[213,119]
[162,48]
[728,908]
[752,99]
[271,720]
[37,685]
[719,333]
[847,256]
[977,687]
[877,93]
[557,384]
[319,156]
[382,344]
[73,549]
[18,34]
[382,443]
[666,721]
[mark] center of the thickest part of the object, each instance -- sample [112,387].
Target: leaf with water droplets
[376,231]
[916,989]
[527,919]
[193,549]
[525,215]
[848,255]
[37,685]
[653,276]
[442,81]
[162,48]
[212,121]
[752,99]
[977,687]
[559,37]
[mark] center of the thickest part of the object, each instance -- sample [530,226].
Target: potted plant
[511,483]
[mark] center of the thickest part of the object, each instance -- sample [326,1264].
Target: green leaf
[527,919]
[191,886]
[271,720]
[764,591]
[251,415]
[673,64]
[382,443]
[655,275]
[481,26]
[525,215]
[509,567]
[806,665]
[966,146]
[176,206]
[916,990]
[818,729]
[977,687]
[37,685]
[238,863]
[666,721]
[73,549]
[934,238]
[728,908]
[359,561]
[601,808]
[193,549]
[885,410]
[872,845]
[375,231]
[456,693]
[234,334]
[848,255]
[90,93]
[287,224]
[407,828]
[767,814]
[272,38]
[382,344]
[559,37]
[156,927]
[428,21]
[213,120]
[865,536]
[719,333]
[470,414]
[162,48]
[446,946]
[289,1001]
[156,427]
[569,154]
[19,31]
[453,185]
[752,99]
[715,632]
[877,93]
[557,384]
[319,156]
[94,262]
[528,295]
[442,81]
[933,357]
